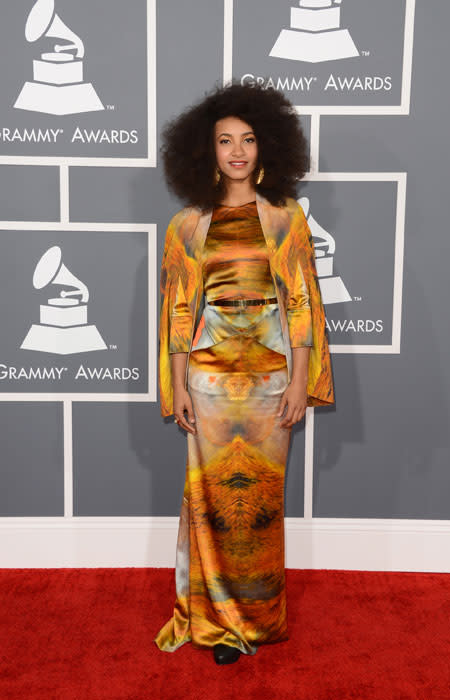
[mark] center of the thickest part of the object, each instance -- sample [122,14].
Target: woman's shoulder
[182,214]
[295,211]
[289,206]
[292,205]
[286,214]
[185,217]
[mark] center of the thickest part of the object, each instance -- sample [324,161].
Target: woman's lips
[238,163]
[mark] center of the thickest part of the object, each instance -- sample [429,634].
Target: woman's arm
[295,394]
[300,360]
[178,360]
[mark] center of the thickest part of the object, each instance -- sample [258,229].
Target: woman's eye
[249,138]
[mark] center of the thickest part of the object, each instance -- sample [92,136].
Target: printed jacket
[292,265]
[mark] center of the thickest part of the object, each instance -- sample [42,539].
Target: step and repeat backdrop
[85,88]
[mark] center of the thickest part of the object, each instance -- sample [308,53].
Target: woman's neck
[237,194]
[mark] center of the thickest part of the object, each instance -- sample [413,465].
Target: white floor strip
[317,543]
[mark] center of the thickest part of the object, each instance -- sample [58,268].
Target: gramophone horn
[43,21]
[39,19]
[50,270]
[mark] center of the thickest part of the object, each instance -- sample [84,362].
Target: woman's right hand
[183,402]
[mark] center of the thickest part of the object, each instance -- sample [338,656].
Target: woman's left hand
[294,397]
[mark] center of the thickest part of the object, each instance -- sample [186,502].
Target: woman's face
[236,148]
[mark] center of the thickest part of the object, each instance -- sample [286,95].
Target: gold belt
[243,302]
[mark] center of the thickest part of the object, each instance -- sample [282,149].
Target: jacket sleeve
[299,311]
[177,295]
[171,332]
[180,321]
[308,322]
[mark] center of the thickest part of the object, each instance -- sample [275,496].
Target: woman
[242,352]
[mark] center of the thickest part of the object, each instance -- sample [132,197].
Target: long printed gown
[230,576]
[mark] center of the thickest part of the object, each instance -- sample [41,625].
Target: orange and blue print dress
[229,576]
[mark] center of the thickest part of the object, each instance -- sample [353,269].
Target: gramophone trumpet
[43,21]
[50,270]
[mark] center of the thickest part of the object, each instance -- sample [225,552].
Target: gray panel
[189,49]
[32,464]
[119,195]
[418,142]
[352,57]
[353,225]
[103,94]
[29,193]
[134,194]
[127,460]
[384,452]
[107,352]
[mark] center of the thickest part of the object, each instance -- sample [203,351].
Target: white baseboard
[316,543]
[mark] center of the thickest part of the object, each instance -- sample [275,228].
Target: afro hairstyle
[188,149]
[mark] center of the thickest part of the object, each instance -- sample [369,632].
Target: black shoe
[224,654]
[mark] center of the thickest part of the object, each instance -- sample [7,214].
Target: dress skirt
[230,556]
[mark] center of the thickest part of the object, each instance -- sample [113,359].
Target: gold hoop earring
[260,177]
[217,176]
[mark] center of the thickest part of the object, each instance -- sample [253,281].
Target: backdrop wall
[90,474]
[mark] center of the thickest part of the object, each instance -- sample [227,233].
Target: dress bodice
[235,255]
[235,265]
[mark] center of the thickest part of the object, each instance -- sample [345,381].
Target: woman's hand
[294,397]
[182,402]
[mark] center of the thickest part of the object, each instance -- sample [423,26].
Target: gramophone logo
[63,327]
[58,85]
[332,288]
[315,34]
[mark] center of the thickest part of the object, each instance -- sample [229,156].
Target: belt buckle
[242,303]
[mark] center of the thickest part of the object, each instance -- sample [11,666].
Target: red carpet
[86,634]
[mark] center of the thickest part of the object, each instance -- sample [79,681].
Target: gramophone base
[314,47]
[63,341]
[333,290]
[58,99]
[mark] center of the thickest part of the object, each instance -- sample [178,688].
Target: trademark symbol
[111,108]
[357,298]
[113,347]
[365,53]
